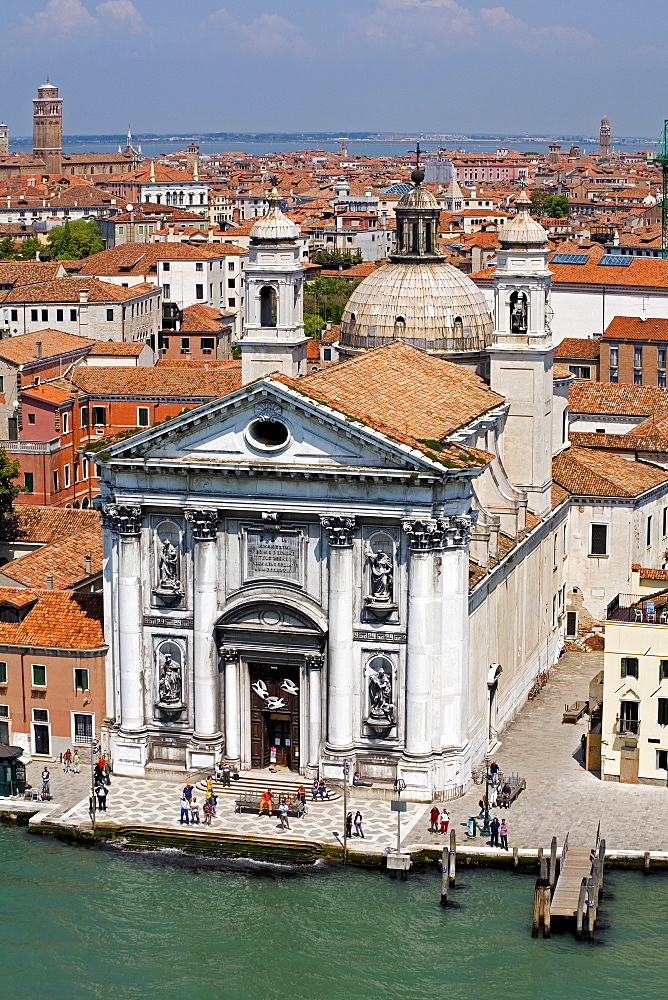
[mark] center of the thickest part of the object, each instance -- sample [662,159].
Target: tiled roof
[28,272]
[206,382]
[406,394]
[21,350]
[199,318]
[578,347]
[115,348]
[63,559]
[142,258]
[561,371]
[614,442]
[627,400]
[67,290]
[592,473]
[45,524]
[648,573]
[58,620]
[49,392]
[559,495]
[634,328]
[642,272]
[654,427]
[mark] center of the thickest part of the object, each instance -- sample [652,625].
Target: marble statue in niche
[380,574]
[169,561]
[170,680]
[381,704]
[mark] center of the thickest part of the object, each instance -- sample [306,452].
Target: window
[662,713]
[84,468]
[230,265]
[663,670]
[142,416]
[571,623]
[199,266]
[565,538]
[555,549]
[637,357]
[661,357]
[45,315]
[33,315]
[14,315]
[66,475]
[38,677]
[31,418]
[166,291]
[199,291]
[3,672]
[83,727]
[614,376]
[598,544]
[231,282]
[40,715]
[231,303]
[661,378]
[81,679]
[60,315]
[99,415]
[110,315]
[65,422]
[185,345]
[29,481]
[662,760]
[83,413]
[4,711]
[648,534]
[207,344]
[165,265]
[629,666]
[73,315]
[327,354]
[55,481]
[637,376]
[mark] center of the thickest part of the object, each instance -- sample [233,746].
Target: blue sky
[338,65]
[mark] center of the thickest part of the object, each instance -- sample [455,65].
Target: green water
[80,924]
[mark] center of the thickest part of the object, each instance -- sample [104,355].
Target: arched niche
[168,575]
[268,306]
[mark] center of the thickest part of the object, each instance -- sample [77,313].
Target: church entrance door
[274,710]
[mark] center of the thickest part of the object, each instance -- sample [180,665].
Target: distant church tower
[521,354]
[4,139]
[273,336]
[604,148]
[47,128]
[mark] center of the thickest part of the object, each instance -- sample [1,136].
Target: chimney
[83,295]
[49,582]
[89,565]
[38,349]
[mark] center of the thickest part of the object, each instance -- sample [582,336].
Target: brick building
[633,351]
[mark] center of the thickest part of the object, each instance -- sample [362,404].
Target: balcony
[627,727]
[31,447]
[637,610]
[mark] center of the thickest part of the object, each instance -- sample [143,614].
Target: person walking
[445,820]
[91,807]
[314,789]
[494,829]
[482,803]
[67,760]
[495,796]
[213,800]
[107,770]
[283,815]
[185,809]
[503,831]
[194,811]
[494,772]
[226,772]
[101,793]
[207,812]
[433,819]
[46,783]
[76,761]
[359,832]
[349,825]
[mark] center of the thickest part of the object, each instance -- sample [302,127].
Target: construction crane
[663,160]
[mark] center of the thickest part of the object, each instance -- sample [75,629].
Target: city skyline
[372,65]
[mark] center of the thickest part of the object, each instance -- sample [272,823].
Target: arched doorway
[268,306]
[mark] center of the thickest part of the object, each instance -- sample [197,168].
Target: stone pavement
[561,797]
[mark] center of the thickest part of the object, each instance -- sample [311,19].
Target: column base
[203,752]
[438,775]
[331,762]
[129,752]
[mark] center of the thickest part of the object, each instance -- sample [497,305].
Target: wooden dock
[574,895]
[576,867]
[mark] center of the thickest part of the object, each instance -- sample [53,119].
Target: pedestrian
[194,811]
[209,783]
[185,809]
[433,819]
[445,820]
[314,789]
[91,807]
[99,774]
[494,772]
[226,772]
[349,825]
[503,830]
[359,832]
[107,771]
[482,803]
[283,815]
[46,783]
[495,796]
[213,800]
[188,793]
[505,796]
[266,802]
[207,812]
[67,760]
[301,794]
[101,793]
[322,789]
[494,828]
[76,760]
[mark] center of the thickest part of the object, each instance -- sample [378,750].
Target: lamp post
[346,772]
[399,785]
[485,832]
[93,745]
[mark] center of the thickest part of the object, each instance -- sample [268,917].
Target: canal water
[87,924]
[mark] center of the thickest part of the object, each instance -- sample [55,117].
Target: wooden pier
[575,894]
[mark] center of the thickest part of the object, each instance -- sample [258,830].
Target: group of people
[71,761]
[439,817]
[190,806]
[267,802]
[101,780]
[355,821]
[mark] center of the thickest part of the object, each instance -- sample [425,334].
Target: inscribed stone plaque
[273,554]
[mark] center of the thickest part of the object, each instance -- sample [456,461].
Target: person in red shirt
[433,819]
[266,800]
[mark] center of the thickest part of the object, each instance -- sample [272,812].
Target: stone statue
[168,568]
[169,689]
[381,707]
[518,314]
[382,573]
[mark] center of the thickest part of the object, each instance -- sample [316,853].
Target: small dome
[274,225]
[417,197]
[521,230]
[430,305]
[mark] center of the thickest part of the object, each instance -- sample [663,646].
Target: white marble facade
[341,570]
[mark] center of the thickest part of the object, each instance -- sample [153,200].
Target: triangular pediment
[270,424]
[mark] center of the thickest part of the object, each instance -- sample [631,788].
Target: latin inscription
[157,622]
[273,553]
[362,636]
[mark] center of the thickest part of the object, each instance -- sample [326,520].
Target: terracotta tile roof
[559,495]
[634,328]
[199,318]
[58,620]
[115,348]
[64,559]
[406,394]
[604,397]
[592,473]
[49,392]
[654,427]
[312,350]
[199,363]
[578,348]
[642,272]
[561,371]
[614,442]
[21,350]
[67,290]
[28,272]
[45,524]
[206,382]
[142,258]
[648,573]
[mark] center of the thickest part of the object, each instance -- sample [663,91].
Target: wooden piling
[601,863]
[537,908]
[547,900]
[516,856]
[591,910]
[452,860]
[543,868]
[581,907]
[540,855]
[646,860]
[445,860]
[553,862]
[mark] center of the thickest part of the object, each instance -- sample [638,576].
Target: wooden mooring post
[553,862]
[448,867]
[579,917]
[541,907]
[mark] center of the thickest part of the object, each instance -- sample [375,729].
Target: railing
[31,447]
[635,609]
[627,727]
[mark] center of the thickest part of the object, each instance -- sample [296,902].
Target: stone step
[247,785]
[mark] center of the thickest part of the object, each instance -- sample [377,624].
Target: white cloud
[266,34]
[123,11]
[69,18]
[527,36]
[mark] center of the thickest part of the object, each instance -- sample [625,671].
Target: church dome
[274,226]
[521,230]
[431,305]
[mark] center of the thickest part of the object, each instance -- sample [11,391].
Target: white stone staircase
[281,783]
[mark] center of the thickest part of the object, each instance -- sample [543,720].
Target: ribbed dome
[274,225]
[521,230]
[417,197]
[429,305]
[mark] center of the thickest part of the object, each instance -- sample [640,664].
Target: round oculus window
[267,434]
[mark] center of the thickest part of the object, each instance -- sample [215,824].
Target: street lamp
[346,772]
[399,786]
[485,832]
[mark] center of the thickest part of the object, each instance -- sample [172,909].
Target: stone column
[205,653]
[232,733]
[126,521]
[424,537]
[453,654]
[313,663]
[340,644]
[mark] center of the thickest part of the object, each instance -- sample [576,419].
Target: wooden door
[274,715]
[42,743]
[628,765]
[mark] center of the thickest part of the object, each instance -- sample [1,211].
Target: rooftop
[585,472]
[58,620]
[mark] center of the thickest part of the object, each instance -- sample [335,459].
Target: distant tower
[4,139]
[344,148]
[604,149]
[47,128]
[192,158]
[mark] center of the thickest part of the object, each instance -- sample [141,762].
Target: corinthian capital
[423,533]
[339,530]
[457,530]
[123,518]
[204,524]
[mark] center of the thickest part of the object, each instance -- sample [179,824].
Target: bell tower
[273,335]
[521,354]
[47,128]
